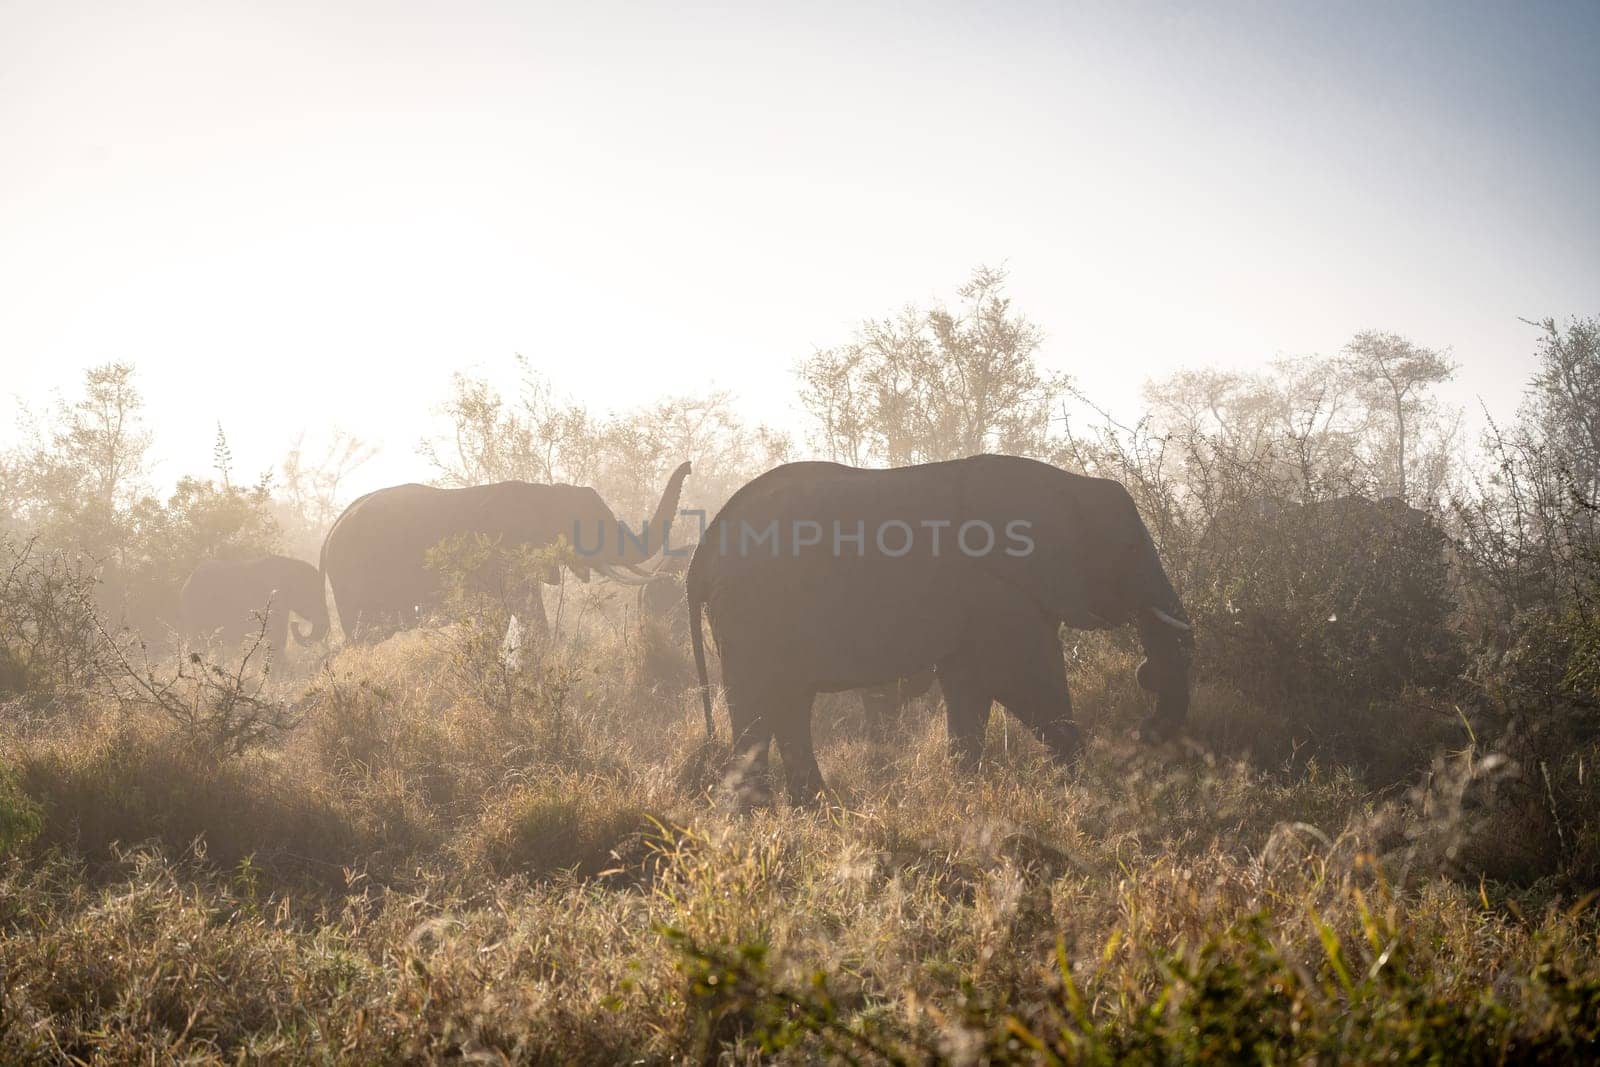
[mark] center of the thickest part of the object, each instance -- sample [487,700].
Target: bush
[20,821]
[219,712]
[50,638]
[111,783]
[558,824]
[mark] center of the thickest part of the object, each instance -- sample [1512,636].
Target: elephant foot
[748,785]
[815,797]
[806,787]
[1065,742]
[746,795]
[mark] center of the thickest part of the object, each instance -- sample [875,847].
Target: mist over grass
[418,871]
[1377,839]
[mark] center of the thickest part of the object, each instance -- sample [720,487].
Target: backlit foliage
[1380,840]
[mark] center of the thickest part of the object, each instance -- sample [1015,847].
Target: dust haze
[1051,534]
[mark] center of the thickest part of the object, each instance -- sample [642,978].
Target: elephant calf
[223,600]
[820,578]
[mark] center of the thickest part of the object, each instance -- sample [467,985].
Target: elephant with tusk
[375,556]
[820,578]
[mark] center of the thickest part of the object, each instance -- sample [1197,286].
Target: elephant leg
[361,621]
[230,640]
[1035,691]
[537,622]
[791,719]
[752,736]
[966,709]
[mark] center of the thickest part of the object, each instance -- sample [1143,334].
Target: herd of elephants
[815,577]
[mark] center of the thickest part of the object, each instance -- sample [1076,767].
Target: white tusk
[1177,624]
[511,647]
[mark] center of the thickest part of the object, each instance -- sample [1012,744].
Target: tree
[102,434]
[1394,375]
[81,471]
[633,453]
[1563,404]
[626,457]
[935,384]
[537,438]
[222,457]
[309,492]
[1298,426]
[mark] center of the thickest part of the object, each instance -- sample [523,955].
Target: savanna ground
[1379,839]
[443,858]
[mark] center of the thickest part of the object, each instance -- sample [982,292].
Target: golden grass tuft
[538,870]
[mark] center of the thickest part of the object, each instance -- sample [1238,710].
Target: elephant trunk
[1167,642]
[317,633]
[656,532]
[315,603]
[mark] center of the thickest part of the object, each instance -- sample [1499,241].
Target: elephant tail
[698,642]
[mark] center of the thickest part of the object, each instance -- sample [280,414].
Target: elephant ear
[1052,571]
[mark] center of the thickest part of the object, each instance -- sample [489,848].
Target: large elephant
[821,578]
[375,556]
[225,600]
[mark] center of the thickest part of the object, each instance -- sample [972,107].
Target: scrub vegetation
[1378,838]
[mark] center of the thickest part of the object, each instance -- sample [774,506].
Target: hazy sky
[289,216]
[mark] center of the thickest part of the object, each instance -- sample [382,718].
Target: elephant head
[546,514]
[1094,566]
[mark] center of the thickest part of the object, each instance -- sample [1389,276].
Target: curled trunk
[654,535]
[318,631]
[1167,642]
[313,604]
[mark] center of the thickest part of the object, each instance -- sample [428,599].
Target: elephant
[224,599]
[818,577]
[375,556]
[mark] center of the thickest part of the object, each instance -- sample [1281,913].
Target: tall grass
[422,870]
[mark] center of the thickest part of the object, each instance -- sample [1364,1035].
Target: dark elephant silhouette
[821,578]
[375,556]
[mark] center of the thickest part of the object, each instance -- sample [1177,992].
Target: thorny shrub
[50,641]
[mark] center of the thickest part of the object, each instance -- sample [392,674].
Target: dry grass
[436,864]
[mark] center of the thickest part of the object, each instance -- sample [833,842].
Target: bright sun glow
[290,219]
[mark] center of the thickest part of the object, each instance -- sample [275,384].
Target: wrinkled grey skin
[222,598]
[790,627]
[375,555]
